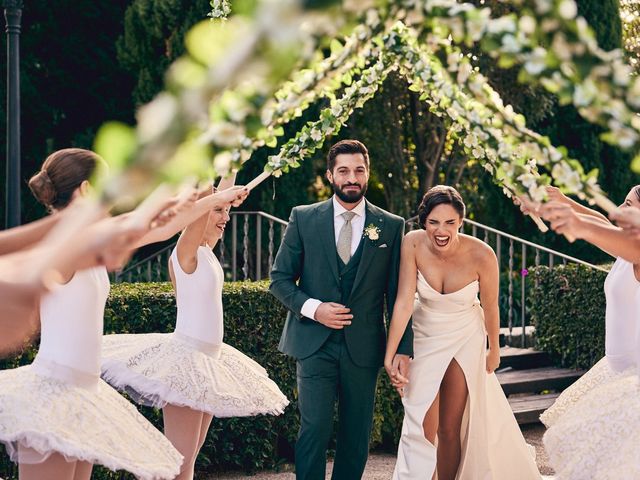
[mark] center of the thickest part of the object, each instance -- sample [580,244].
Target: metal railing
[256,236]
[249,259]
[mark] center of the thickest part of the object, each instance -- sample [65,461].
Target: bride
[457,420]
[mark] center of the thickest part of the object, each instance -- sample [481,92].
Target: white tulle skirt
[158,369]
[42,415]
[597,377]
[597,438]
[585,436]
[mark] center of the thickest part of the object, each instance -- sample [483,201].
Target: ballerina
[190,373]
[592,426]
[72,419]
[451,393]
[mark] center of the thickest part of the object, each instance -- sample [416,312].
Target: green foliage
[253,323]
[567,307]
[70,81]
[564,126]
[154,32]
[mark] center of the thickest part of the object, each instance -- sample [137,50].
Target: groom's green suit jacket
[306,266]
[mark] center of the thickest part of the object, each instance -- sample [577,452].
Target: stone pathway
[380,465]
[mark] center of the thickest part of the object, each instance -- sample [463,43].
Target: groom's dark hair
[346,146]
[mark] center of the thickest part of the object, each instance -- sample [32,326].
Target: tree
[70,81]
[630,14]
[153,37]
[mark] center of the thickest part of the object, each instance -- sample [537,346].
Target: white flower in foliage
[585,93]
[224,134]
[315,134]
[625,137]
[222,163]
[568,9]
[537,61]
[527,24]
[633,93]
[155,118]
[510,44]
[464,71]
[543,6]
[567,176]
[505,24]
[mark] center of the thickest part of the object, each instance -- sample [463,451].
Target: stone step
[522,358]
[513,338]
[527,408]
[536,380]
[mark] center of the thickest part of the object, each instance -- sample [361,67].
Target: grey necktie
[344,238]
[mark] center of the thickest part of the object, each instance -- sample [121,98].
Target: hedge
[567,306]
[253,322]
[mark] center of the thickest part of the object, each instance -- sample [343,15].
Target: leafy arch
[424,41]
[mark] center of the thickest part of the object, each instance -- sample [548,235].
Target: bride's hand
[398,371]
[493,359]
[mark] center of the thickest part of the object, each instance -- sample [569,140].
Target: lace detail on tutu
[94,425]
[600,374]
[598,438]
[159,369]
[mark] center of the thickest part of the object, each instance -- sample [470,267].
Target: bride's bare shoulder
[414,237]
[480,250]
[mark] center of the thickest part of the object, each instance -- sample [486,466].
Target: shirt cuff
[309,308]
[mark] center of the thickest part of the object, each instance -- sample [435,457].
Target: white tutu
[95,425]
[597,439]
[158,369]
[599,375]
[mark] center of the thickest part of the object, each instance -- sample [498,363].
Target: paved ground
[380,465]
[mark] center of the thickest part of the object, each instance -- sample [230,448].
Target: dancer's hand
[627,218]
[333,315]
[562,217]
[555,195]
[527,206]
[233,196]
[493,359]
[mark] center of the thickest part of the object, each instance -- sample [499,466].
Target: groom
[337,264]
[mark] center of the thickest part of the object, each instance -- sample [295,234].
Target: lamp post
[13,17]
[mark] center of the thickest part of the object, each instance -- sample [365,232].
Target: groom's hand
[333,315]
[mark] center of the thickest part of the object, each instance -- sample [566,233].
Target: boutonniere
[371,232]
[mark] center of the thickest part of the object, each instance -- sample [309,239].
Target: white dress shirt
[357,228]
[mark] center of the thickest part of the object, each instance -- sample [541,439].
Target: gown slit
[451,327]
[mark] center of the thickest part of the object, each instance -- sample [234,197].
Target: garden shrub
[567,306]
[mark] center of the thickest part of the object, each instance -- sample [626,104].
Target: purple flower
[524,272]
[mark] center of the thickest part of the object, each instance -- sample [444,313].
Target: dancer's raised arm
[233,196]
[25,236]
[609,238]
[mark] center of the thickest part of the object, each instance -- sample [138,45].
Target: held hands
[333,315]
[493,359]
[398,370]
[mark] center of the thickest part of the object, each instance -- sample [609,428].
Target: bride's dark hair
[439,195]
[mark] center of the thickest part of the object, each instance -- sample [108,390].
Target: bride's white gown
[446,327]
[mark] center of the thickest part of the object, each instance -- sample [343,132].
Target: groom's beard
[349,197]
